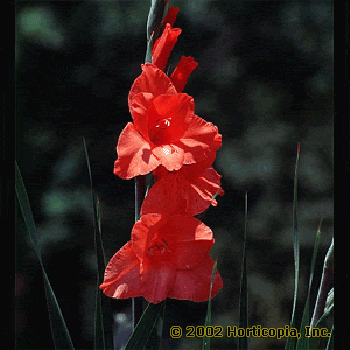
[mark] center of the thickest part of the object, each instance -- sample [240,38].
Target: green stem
[140,192]
[155,17]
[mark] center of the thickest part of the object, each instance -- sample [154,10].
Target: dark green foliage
[59,331]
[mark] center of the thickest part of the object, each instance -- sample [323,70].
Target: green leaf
[23,199]
[103,318]
[296,245]
[330,300]
[206,340]
[99,339]
[99,328]
[303,342]
[315,342]
[323,320]
[243,295]
[325,284]
[100,253]
[330,344]
[144,328]
[59,331]
[155,339]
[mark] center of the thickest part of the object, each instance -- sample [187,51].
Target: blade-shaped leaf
[315,342]
[303,342]
[296,245]
[103,318]
[206,340]
[59,331]
[23,199]
[99,339]
[325,285]
[243,295]
[144,328]
[330,300]
[330,344]
[155,339]
[324,306]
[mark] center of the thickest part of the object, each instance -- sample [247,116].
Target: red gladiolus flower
[167,257]
[188,191]
[165,130]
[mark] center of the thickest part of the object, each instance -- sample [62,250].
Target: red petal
[159,172]
[134,154]
[194,284]
[186,255]
[152,80]
[188,240]
[122,276]
[192,171]
[164,45]
[143,232]
[199,140]
[170,156]
[202,189]
[187,228]
[182,72]
[184,192]
[157,282]
[138,107]
[168,117]
[163,198]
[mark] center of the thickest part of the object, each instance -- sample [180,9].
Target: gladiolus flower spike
[168,254]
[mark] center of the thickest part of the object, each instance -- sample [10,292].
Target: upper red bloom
[188,191]
[165,130]
[167,257]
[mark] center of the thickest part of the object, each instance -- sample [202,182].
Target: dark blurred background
[265,78]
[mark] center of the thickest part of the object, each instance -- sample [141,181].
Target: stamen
[157,247]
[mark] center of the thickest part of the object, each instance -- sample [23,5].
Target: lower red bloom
[167,257]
